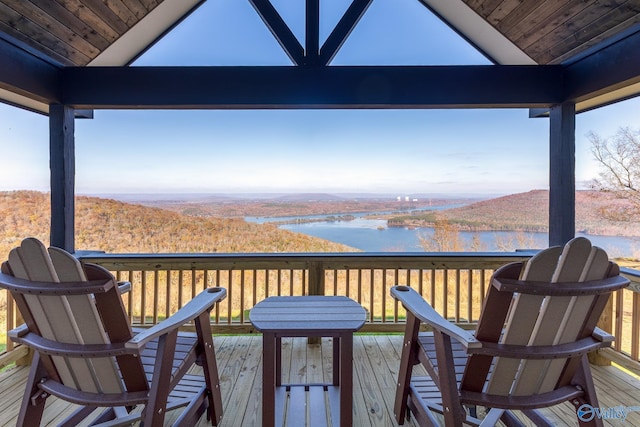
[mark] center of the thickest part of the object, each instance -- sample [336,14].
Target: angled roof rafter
[280,30]
[311,53]
[342,30]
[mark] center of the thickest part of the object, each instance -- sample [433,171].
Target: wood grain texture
[76,31]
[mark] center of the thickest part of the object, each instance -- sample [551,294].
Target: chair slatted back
[71,319]
[535,320]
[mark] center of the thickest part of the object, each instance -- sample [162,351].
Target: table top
[296,314]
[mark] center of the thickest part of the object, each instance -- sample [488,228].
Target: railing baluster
[193,283]
[372,297]
[242,295]
[291,281]
[254,288]
[359,279]
[635,327]
[180,288]
[457,304]
[469,295]
[433,288]
[396,277]
[168,311]
[143,299]
[279,282]
[156,294]
[11,317]
[384,296]
[445,294]
[298,274]
[230,294]
[619,320]
[217,309]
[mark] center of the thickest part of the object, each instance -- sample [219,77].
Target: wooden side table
[307,316]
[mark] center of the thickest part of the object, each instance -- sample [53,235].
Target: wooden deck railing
[454,283]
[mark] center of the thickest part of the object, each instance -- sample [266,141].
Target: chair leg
[210,368]
[33,400]
[584,380]
[453,411]
[407,360]
[157,404]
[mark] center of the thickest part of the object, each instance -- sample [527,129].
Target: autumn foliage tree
[445,238]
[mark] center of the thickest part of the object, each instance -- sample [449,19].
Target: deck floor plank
[376,363]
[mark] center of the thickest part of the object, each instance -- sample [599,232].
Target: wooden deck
[376,362]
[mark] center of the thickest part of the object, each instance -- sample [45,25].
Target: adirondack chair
[86,352]
[529,349]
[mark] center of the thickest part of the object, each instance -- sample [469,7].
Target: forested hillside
[528,212]
[112,226]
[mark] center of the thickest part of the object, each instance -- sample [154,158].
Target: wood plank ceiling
[553,31]
[75,32]
[71,32]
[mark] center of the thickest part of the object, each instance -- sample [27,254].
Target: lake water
[372,235]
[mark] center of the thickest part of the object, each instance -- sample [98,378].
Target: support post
[562,177]
[62,164]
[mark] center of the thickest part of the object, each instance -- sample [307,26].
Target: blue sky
[399,152]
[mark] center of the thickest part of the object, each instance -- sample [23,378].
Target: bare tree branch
[619,160]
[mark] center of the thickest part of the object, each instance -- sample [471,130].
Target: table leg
[268,379]
[336,361]
[278,362]
[346,379]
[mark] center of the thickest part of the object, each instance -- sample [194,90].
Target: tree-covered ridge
[529,212]
[117,227]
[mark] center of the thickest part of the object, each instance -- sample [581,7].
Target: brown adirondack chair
[529,349]
[86,352]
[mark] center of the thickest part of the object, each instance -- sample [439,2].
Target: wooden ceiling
[75,32]
[553,31]
[71,32]
[546,52]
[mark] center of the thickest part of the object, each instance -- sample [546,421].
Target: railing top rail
[634,276]
[341,260]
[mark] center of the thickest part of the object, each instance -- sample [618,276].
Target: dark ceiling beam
[28,75]
[280,30]
[312,87]
[312,32]
[608,69]
[342,30]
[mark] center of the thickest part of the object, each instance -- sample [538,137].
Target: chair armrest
[602,336]
[18,332]
[194,308]
[124,287]
[414,303]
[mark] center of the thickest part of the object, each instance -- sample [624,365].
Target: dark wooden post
[562,177]
[316,287]
[62,164]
